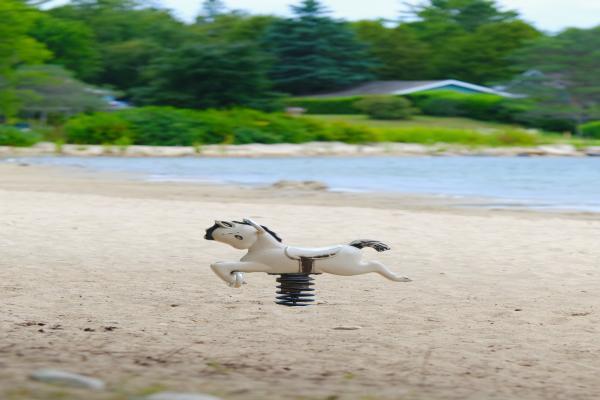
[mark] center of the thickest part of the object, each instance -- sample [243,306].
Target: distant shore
[299,150]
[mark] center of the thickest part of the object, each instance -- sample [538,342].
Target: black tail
[377,245]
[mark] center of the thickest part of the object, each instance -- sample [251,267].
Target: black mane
[270,232]
[209,231]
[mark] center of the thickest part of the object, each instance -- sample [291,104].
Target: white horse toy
[267,254]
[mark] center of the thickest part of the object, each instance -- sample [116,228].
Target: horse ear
[251,223]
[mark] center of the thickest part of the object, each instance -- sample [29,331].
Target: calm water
[551,182]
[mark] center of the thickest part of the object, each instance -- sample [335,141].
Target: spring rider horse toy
[267,254]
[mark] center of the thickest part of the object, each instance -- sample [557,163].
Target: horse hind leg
[376,266]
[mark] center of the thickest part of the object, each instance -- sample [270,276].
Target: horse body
[267,254]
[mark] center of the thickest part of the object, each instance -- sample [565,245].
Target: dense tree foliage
[67,57]
[211,9]
[314,53]
[563,75]
[483,56]
[127,36]
[52,89]
[72,43]
[17,47]
[460,39]
[399,53]
[207,75]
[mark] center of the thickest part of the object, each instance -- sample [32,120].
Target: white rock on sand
[299,185]
[55,376]
[593,151]
[179,396]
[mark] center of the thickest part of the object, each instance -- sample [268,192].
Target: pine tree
[211,9]
[314,53]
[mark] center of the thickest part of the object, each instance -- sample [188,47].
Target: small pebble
[56,376]
[346,328]
[180,396]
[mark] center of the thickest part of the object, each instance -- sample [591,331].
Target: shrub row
[385,107]
[489,107]
[448,103]
[11,136]
[325,105]
[169,126]
[166,126]
[485,107]
[591,129]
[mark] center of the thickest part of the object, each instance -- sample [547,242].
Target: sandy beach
[109,277]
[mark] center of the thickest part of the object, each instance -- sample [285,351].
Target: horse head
[241,235]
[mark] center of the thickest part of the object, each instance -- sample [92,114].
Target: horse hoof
[238,280]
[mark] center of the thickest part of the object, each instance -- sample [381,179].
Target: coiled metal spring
[295,290]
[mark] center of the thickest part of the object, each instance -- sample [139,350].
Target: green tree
[436,18]
[129,36]
[233,26]
[72,43]
[399,53]
[483,56]
[16,48]
[562,75]
[126,61]
[212,9]
[50,89]
[462,35]
[313,52]
[208,75]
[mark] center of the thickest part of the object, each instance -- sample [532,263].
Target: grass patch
[427,135]
[456,130]
[416,121]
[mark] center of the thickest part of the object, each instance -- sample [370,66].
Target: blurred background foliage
[64,65]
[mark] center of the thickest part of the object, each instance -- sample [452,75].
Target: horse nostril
[238,237]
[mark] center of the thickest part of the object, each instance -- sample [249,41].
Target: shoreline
[299,150]
[70,179]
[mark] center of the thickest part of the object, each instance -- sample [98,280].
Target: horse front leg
[226,270]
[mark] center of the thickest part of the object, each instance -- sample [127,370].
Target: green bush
[591,129]
[489,107]
[97,128]
[11,136]
[167,126]
[454,104]
[343,132]
[325,105]
[385,107]
[164,126]
[544,121]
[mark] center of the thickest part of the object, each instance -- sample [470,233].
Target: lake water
[549,182]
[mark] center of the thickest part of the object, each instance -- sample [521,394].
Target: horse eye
[227,224]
